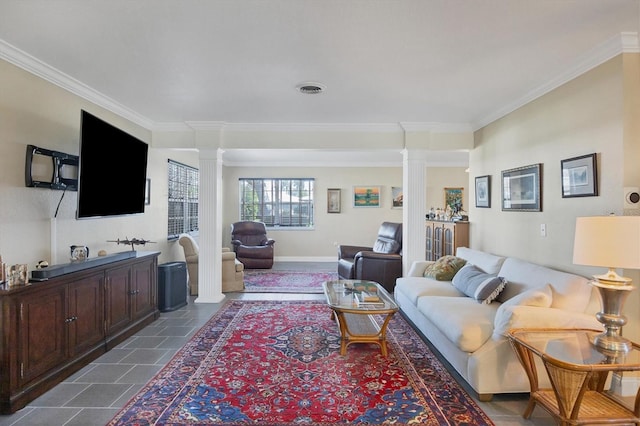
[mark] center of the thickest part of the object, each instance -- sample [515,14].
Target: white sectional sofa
[470,335]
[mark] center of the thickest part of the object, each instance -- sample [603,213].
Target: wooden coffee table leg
[383,334]
[342,324]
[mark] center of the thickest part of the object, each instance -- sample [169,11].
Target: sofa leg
[485,397]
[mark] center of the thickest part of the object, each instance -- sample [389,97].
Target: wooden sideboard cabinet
[51,329]
[444,237]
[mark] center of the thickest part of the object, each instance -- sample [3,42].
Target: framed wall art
[366,196]
[521,189]
[397,197]
[333,200]
[453,198]
[483,191]
[579,176]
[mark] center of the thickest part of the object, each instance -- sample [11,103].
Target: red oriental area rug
[277,363]
[268,281]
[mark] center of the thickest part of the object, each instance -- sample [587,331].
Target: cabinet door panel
[118,299]
[144,297]
[87,313]
[42,332]
[438,244]
[448,240]
[429,243]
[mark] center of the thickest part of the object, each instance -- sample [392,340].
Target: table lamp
[611,242]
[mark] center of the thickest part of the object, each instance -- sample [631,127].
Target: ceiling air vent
[310,88]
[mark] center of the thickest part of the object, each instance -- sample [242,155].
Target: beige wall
[586,115]
[439,178]
[596,112]
[357,226]
[33,111]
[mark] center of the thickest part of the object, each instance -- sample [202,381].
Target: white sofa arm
[508,317]
[418,267]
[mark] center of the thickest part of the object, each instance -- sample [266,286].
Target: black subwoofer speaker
[172,286]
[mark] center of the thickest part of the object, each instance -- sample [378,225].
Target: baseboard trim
[306,259]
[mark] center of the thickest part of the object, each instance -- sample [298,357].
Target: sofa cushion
[444,268]
[415,287]
[570,292]
[465,322]
[540,297]
[477,284]
[489,263]
[418,267]
[519,316]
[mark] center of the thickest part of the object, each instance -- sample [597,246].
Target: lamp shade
[607,241]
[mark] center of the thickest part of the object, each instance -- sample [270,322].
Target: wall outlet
[543,230]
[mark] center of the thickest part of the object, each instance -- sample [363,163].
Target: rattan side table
[578,373]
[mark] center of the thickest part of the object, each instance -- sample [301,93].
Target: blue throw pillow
[476,283]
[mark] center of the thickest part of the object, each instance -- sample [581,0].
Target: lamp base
[613,297]
[612,343]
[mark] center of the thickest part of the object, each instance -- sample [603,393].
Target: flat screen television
[112,171]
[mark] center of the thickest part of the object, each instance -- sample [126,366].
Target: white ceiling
[453,62]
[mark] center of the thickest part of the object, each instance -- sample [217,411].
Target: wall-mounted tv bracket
[60,159]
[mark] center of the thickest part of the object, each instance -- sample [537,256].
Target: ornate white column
[414,172]
[210,223]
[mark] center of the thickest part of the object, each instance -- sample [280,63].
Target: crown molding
[309,163]
[314,127]
[437,127]
[215,126]
[36,67]
[172,127]
[626,42]
[317,127]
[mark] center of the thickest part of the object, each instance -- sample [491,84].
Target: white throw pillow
[535,298]
[541,297]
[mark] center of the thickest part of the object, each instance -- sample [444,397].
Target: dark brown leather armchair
[381,263]
[252,246]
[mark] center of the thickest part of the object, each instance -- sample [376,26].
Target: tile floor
[94,394]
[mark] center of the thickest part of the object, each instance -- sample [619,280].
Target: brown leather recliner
[381,263]
[252,246]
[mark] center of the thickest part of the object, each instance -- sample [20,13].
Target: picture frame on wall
[453,198]
[333,200]
[483,191]
[397,197]
[522,189]
[579,176]
[366,196]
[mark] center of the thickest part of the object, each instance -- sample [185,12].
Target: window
[183,199]
[277,202]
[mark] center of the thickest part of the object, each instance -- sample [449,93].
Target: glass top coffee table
[354,304]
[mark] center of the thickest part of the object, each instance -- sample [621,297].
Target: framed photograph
[579,176]
[366,196]
[453,198]
[333,200]
[397,197]
[17,275]
[483,191]
[521,189]
[147,193]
